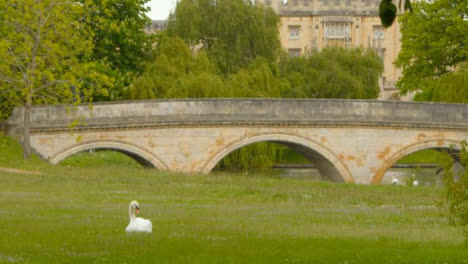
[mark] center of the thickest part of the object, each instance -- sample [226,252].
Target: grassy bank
[427,156]
[77,214]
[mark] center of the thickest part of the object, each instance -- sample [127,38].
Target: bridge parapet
[287,112]
[348,140]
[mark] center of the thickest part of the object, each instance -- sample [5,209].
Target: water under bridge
[347,140]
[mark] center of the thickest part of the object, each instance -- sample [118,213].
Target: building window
[337,30]
[294,52]
[294,32]
[377,41]
[337,34]
[378,32]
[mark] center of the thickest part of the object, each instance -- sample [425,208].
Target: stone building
[156,26]
[308,25]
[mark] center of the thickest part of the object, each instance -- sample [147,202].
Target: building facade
[308,25]
[156,26]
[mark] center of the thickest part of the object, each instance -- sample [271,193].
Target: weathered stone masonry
[348,140]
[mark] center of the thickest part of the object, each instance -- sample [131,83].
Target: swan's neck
[131,213]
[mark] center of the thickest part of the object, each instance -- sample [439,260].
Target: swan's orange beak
[137,211]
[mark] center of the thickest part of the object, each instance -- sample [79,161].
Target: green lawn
[427,156]
[77,214]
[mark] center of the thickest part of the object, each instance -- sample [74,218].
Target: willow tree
[43,55]
[333,73]
[451,87]
[232,32]
[176,72]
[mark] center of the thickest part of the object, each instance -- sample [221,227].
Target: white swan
[137,224]
[414,181]
[394,180]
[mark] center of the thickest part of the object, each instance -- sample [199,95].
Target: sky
[160,9]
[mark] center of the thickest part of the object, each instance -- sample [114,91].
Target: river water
[424,176]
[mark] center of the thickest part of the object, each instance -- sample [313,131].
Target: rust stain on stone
[323,140]
[249,133]
[174,165]
[359,163]
[220,141]
[194,165]
[46,141]
[383,154]
[440,142]
[373,169]
[342,157]
[421,136]
[151,143]
[120,137]
[184,149]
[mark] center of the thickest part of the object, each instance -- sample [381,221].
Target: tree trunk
[30,92]
[27,129]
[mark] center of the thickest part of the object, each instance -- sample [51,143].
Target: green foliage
[259,80]
[179,72]
[45,57]
[6,107]
[119,43]
[333,73]
[100,158]
[427,156]
[261,155]
[434,41]
[457,187]
[232,32]
[451,87]
[32,64]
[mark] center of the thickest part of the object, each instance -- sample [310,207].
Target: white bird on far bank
[395,181]
[415,182]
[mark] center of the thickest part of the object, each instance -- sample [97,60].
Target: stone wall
[193,112]
[348,140]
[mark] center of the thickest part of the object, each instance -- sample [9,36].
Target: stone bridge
[348,140]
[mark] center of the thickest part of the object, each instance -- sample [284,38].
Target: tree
[177,73]
[232,32]
[333,73]
[120,44]
[451,87]
[434,41]
[43,55]
[457,188]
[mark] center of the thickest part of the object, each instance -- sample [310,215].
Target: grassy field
[77,214]
[427,156]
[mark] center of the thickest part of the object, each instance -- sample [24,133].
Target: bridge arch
[439,143]
[328,161]
[142,156]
